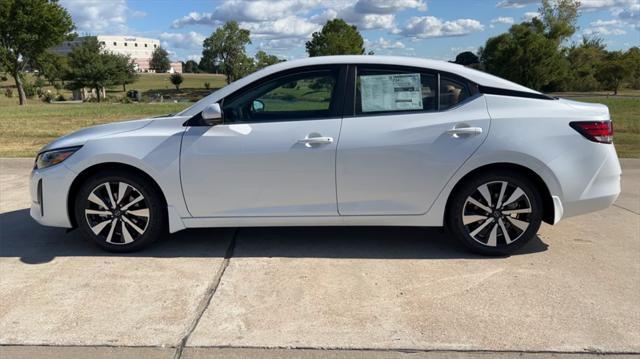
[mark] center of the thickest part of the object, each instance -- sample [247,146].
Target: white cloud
[388,6]
[603,30]
[247,11]
[429,26]
[529,15]
[98,16]
[383,43]
[188,40]
[515,3]
[193,57]
[605,27]
[505,20]
[290,26]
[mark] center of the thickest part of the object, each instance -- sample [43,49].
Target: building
[139,48]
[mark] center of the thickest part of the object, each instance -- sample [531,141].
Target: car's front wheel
[495,213]
[119,211]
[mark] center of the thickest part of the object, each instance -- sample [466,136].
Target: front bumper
[49,189]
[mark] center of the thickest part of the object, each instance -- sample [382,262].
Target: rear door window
[390,90]
[452,92]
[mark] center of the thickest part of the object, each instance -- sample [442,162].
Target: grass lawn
[148,84]
[625,113]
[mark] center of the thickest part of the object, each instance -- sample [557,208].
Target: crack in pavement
[206,300]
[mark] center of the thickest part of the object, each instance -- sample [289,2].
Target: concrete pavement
[361,292]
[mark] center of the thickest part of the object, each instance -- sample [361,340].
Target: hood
[80,137]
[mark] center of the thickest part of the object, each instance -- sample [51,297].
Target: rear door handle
[316,140]
[457,131]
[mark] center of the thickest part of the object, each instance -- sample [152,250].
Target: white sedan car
[340,140]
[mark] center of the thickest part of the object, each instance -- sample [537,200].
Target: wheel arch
[92,170]
[548,209]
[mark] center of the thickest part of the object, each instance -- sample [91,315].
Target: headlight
[53,157]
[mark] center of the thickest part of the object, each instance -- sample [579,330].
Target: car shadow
[22,237]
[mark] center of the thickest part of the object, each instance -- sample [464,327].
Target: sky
[437,29]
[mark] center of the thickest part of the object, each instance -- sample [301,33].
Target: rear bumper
[601,189]
[49,189]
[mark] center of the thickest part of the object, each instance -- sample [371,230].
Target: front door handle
[457,131]
[316,140]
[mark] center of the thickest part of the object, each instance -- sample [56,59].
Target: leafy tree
[243,66]
[264,60]
[90,66]
[632,58]
[583,61]
[524,55]
[125,71]
[559,18]
[160,60]
[467,58]
[27,29]
[336,38]
[176,79]
[529,53]
[226,48]
[53,67]
[190,67]
[612,71]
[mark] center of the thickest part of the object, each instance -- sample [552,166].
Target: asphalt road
[320,292]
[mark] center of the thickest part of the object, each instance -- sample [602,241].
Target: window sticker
[399,92]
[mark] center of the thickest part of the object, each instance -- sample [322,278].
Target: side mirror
[212,115]
[258,106]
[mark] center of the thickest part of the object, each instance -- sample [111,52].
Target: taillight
[596,131]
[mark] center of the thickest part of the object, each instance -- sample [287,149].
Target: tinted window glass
[452,92]
[299,96]
[379,90]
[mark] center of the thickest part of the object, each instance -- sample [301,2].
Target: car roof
[479,77]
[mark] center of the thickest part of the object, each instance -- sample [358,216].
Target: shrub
[207,85]
[48,97]
[29,90]
[176,79]
[8,92]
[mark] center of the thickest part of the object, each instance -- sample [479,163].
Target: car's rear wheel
[495,213]
[119,211]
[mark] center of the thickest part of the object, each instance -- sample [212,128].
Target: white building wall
[139,48]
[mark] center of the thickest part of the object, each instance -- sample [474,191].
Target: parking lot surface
[318,292]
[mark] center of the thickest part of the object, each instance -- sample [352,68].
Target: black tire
[484,240]
[125,235]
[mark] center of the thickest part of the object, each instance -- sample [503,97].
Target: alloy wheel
[497,213]
[117,212]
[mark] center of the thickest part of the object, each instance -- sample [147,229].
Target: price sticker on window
[398,92]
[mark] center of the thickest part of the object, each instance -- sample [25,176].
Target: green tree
[176,79]
[559,18]
[160,60]
[90,66]
[583,60]
[632,58]
[190,67]
[530,53]
[467,58]
[243,66]
[27,29]
[125,70]
[336,38]
[54,68]
[612,71]
[226,48]
[524,55]
[263,59]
